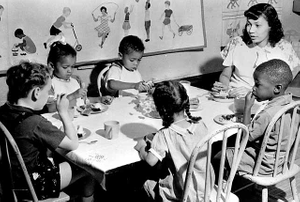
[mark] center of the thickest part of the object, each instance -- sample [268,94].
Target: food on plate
[80,132]
[147,107]
[96,107]
[221,94]
[227,117]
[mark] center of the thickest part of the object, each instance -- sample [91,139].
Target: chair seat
[269,181]
[61,198]
[213,196]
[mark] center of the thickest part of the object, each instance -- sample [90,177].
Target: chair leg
[264,194]
[294,189]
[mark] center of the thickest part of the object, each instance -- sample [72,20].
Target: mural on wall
[96,27]
[233,16]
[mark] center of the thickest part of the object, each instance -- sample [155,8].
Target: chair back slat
[225,132]
[289,112]
[9,139]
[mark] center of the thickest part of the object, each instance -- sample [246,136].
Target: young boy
[123,76]
[28,89]
[271,80]
[27,44]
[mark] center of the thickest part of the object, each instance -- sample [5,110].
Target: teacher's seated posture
[262,40]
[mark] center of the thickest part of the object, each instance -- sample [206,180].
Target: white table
[106,155]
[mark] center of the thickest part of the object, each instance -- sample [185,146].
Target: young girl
[173,145]
[28,88]
[62,58]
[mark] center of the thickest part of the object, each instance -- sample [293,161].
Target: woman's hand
[218,86]
[238,92]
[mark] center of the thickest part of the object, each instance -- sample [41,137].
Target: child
[28,88]
[55,32]
[62,58]
[123,76]
[174,144]
[271,80]
[27,44]
[167,19]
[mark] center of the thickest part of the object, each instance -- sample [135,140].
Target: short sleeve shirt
[246,58]
[34,135]
[119,73]
[58,23]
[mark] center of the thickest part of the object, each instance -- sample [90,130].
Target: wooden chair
[284,160]
[100,78]
[222,191]
[9,191]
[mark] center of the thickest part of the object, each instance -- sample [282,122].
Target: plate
[192,108]
[226,100]
[88,109]
[86,132]
[226,119]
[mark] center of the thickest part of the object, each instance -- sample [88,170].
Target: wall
[193,63]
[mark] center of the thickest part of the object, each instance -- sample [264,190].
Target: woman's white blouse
[246,58]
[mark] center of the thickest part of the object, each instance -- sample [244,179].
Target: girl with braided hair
[171,147]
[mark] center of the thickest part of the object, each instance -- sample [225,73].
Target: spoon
[89,142]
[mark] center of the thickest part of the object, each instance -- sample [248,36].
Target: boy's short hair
[66,9]
[22,78]
[131,43]
[277,71]
[19,32]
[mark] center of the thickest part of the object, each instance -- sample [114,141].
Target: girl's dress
[173,146]
[126,23]
[103,28]
[168,13]
[246,58]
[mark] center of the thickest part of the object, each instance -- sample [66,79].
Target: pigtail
[194,119]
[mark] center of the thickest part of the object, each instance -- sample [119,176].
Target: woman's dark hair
[170,97]
[268,12]
[59,50]
[22,78]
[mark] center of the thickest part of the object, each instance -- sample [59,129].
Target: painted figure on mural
[103,29]
[126,24]
[27,44]
[55,32]
[147,20]
[233,4]
[167,14]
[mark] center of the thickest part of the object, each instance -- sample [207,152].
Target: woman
[262,40]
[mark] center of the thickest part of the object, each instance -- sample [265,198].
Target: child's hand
[249,100]
[148,84]
[140,143]
[106,99]
[62,103]
[139,86]
[218,86]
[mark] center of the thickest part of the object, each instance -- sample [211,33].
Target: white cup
[186,84]
[112,129]
[239,104]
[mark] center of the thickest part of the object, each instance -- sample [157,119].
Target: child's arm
[70,142]
[95,19]
[121,85]
[142,147]
[113,19]
[249,102]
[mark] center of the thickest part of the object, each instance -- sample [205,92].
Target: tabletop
[108,154]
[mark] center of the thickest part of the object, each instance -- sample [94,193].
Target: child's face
[64,67]
[263,89]
[43,95]
[132,60]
